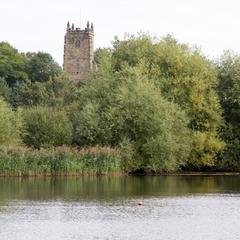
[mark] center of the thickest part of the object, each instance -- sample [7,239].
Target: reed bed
[22,161]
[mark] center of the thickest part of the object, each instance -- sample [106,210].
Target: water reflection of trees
[108,188]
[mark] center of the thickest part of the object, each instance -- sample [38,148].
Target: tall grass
[22,161]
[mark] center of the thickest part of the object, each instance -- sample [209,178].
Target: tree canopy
[13,65]
[127,110]
[228,90]
[42,67]
[163,104]
[183,76]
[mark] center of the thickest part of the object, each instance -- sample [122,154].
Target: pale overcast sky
[39,25]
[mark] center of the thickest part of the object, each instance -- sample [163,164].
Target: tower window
[77,43]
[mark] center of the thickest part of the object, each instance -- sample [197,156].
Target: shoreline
[115,174]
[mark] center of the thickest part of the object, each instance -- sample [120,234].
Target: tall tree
[127,111]
[13,65]
[229,89]
[183,76]
[42,67]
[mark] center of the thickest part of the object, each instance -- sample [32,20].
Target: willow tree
[183,76]
[125,110]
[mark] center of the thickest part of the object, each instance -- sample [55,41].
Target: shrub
[10,124]
[46,126]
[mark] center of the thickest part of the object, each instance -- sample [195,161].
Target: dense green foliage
[162,104]
[5,91]
[46,127]
[41,67]
[229,92]
[56,92]
[10,124]
[29,79]
[182,75]
[13,65]
[20,161]
[127,109]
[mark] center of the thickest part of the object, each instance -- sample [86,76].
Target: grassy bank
[22,161]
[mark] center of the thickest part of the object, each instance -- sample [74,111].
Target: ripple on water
[188,217]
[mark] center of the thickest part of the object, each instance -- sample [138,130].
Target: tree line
[163,104]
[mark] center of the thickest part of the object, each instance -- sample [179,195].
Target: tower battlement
[78,52]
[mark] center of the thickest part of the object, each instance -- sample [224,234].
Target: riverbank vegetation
[162,106]
[59,161]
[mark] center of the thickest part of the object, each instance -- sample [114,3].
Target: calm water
[175,207]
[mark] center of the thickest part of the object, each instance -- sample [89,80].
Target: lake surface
[175,207]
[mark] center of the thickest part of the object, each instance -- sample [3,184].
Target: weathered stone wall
[78,52]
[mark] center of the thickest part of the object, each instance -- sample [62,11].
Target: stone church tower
[78,52]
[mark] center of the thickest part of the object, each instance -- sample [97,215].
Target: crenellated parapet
[88,28]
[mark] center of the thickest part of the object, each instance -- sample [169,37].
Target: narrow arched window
[77,43]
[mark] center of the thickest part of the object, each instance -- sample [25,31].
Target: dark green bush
[229,89]
[45,127]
